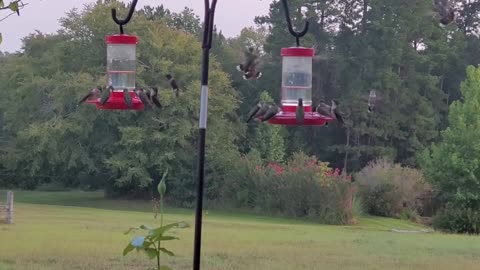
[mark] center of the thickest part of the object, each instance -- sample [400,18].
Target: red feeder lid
[121,39]
[288,117]
[298,51]
[116,102]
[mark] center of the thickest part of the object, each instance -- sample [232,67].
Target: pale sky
[231,16]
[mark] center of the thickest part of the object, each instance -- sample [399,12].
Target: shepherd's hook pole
[202,130]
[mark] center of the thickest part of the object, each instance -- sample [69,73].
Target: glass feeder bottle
[121,61]
[297,76]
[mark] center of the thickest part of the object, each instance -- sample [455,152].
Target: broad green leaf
[131,229]
[1,4]
[138,241]
[166,238]
[151,253]
[13,6]
[183,224]
[166,251]
[143,227]
[164,267]
[127,249]
[159,231]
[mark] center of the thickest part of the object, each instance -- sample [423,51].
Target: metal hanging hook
[121,23]
[297,35]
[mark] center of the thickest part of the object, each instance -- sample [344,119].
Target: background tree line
[394,47]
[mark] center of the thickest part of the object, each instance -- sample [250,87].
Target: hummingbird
[173,83]
[271,112]
[324,109]
[93,94]
[105,95]
[253,112]
[142,95]
[330,111]
[372,98]
[262,111]
[154,97]
[300,112]
[249,67]
[445,10]
[336,112]
[127,98]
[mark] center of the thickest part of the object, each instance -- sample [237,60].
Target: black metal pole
[202,130]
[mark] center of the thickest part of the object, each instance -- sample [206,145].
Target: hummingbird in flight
[250,65]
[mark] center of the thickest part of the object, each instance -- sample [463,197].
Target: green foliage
[151,243]
[46,137]
[390,190]
[303,188]
[457,220]
[452,164]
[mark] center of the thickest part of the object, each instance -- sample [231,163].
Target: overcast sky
[231,16]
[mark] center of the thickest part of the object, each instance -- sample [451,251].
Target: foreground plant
[151,243]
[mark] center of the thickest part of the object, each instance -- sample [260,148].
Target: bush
[458,220]
[302,188]
[391,190]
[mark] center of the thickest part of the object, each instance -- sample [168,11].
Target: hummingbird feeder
[297,82]
[121,68]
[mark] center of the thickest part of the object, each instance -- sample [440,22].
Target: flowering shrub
[388,189]
[303,187]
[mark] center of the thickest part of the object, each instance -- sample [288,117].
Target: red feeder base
[116,102]
[287,116]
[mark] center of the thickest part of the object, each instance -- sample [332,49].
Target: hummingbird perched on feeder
[445,10]
[92,94]
[336,112]
[271,112]
[300,112]
[173,83]
[127,98]
[250,66]
[257,110]
[154,97]
[140,92]
[105,95]
[330,110]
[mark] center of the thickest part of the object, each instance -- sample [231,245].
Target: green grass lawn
[81,230]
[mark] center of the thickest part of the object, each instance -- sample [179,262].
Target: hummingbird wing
[272,111]
[338,116]
[253,111]
[261,112]
[324,109]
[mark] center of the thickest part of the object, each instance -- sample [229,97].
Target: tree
[50,139]
[14,8]
[452,165]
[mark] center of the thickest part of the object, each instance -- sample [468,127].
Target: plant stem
[161,225]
